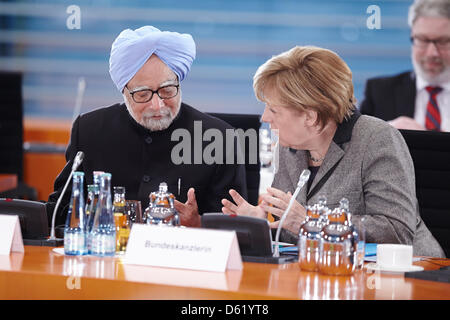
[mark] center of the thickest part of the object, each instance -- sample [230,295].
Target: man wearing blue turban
[133,140]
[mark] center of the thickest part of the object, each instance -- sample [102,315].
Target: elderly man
[418,100]
[133,140]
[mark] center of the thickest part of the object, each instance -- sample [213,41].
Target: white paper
[186,248]
[10,234]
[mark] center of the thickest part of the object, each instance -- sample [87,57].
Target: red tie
[433,117]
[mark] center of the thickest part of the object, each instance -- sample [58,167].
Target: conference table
[43,273]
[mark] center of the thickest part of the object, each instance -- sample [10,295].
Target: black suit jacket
[139,159]
[390,97]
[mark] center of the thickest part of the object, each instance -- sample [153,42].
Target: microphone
[76,163]
[78,160]
[301,182]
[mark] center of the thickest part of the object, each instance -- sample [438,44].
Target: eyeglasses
[145,95]
[422,42]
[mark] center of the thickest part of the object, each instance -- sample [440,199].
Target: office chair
[11,135]
[244,122]
[430,152]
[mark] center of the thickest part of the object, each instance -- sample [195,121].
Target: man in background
[419,99]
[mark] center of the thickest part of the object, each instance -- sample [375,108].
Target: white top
[443,101]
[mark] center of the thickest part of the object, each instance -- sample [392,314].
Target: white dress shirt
[422,98]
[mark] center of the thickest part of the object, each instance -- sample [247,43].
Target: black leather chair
[430,152]
[244,122]
[11,135]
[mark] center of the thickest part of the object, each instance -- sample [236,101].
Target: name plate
[10,234]
[186,248]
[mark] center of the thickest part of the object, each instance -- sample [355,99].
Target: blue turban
[131,50]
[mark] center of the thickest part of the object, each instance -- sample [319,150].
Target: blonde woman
[308,96]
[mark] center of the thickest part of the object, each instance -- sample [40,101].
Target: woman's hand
[241,206]
[276,202]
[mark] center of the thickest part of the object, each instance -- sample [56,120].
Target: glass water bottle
[91,205]
[75,229]
[97,177]
[103,234]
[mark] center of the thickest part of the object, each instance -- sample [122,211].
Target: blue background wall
[233,38]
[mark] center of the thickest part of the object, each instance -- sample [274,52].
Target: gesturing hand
[188,211]
[241,206]
[276,202]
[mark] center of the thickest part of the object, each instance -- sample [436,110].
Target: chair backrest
[245,122]
[32,216]
[253,234]
[11,124]
[430,152]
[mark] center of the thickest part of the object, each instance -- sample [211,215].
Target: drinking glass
[361,243]
[133,209]
[132,214]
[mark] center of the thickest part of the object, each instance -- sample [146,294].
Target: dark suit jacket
[140,159]
[390,97]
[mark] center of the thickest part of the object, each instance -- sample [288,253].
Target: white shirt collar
[421,83]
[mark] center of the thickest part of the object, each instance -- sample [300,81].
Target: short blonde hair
[309,78]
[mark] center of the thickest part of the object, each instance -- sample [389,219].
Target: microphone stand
[301,182]
[52,240]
